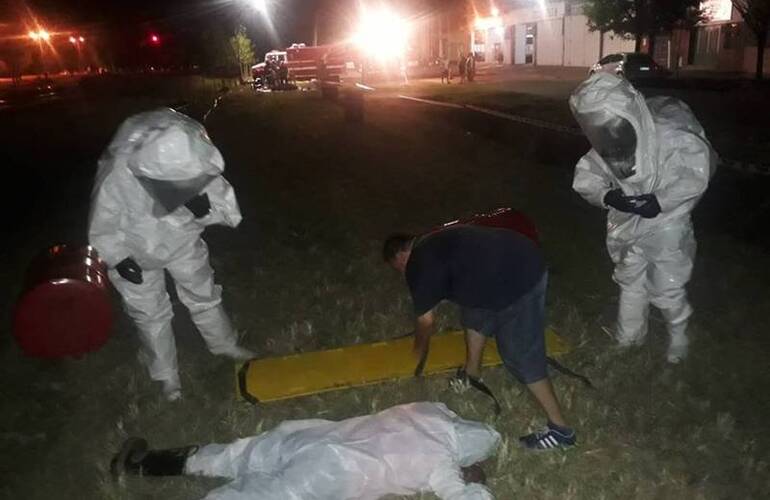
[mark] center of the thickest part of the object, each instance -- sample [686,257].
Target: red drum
[505,218]
[65,309]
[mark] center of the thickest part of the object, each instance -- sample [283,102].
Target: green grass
[303,272]
[734,119]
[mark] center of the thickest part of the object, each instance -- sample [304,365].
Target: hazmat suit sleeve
[224,205]
[690,166]
[447,483]
[105,232]
[321,474]
[591,180]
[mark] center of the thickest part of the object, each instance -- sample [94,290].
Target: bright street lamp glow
[39,35]
[259,5]
[81,39]
[73,40]
[382,34]
[485,23]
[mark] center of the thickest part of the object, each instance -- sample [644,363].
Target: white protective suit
[125,221]
[674,161]
[402,450]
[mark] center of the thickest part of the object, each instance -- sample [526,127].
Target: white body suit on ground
[402,450]
[125,222]
[674,161]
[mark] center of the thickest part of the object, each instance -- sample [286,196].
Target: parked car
[631,65]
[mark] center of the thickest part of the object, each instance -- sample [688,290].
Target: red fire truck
[321,62]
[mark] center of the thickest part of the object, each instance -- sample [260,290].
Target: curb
[740,166]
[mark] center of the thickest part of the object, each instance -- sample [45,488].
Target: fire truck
[321,62]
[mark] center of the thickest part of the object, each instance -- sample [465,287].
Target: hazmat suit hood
[169,153]
[156,162]
[475,441]
[605,106]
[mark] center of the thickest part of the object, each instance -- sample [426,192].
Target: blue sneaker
[551,437]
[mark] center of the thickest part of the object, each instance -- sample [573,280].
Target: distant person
[462,66]
[158,186]
[446,71]
[498,278]
[470,67]
[284,73]
[649,164]
[404,450]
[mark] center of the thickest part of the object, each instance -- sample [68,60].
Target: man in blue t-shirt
[498,279]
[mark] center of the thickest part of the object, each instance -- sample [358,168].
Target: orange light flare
[44,38]
[40,35]
[382,33]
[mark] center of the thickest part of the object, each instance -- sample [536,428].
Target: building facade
[548,33]
[724,42]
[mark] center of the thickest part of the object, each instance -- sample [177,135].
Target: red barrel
[504,218]
[65,309]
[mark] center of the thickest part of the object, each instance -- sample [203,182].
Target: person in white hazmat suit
[403,450]
[649,165]
[159,184]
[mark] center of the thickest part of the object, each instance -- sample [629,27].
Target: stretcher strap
[479,385]
[566,371]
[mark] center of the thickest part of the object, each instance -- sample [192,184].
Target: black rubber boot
[135,458]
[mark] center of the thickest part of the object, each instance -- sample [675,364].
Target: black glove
[617,200]
[199,206]
[646,205]
[129,270]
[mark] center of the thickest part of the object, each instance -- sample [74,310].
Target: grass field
[733,117]
[303,272]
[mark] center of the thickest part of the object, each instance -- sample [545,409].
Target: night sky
[178,19]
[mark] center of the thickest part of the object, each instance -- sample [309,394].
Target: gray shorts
[519,331]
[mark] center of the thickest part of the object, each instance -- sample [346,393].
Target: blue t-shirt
[472,266]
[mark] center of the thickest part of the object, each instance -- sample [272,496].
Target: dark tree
[639,18]
[756,13]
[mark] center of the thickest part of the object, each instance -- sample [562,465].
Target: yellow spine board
[285,377]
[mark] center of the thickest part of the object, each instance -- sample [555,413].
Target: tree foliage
[638,18]
[756,13]
[243,50]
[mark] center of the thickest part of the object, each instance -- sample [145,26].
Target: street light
[77,43]
[382,34]
[40,35]
[259,5]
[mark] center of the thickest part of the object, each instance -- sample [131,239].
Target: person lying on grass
[499,279]
[403,450]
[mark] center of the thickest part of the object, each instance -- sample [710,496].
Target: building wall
[563,37]
[549,46]
[616,43]
[581,46]
[750,60]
